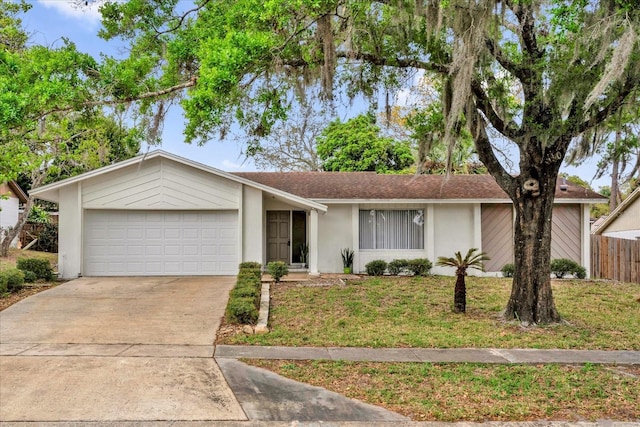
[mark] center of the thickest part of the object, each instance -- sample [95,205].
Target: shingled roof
[372,186]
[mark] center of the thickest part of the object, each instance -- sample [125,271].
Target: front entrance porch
[287,238]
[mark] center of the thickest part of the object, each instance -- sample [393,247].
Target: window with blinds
[392,229]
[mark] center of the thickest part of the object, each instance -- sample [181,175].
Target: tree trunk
[460,293]
[531,298]
[615,188]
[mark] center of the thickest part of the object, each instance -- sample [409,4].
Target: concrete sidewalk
[471,355]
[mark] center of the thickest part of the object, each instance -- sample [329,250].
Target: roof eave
[617,211]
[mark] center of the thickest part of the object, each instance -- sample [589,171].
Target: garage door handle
[288,242]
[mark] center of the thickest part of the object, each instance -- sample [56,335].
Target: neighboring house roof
[619,210]
[50,191]
[372,186]
[18,191]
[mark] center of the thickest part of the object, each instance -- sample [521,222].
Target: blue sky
[50,20]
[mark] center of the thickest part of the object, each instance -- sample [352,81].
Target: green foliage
[250,264]
[39,266]
[560,267]
[471,260]
[47,239]
[244,299]
[508,270]
[39,215]
[250,272]
[29,276]
[356,145]
[242,311]
[347,255]
[11,280]
[376,267]
[420,266]
[398,266]
[246,289]
[277,270]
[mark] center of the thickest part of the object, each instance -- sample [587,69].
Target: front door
[278,239]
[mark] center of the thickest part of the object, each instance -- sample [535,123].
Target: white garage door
[142,243]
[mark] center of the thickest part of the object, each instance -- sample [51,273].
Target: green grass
[14,254]
[477,392]
[416,312]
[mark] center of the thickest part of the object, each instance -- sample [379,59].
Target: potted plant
[304,254]
[347,260]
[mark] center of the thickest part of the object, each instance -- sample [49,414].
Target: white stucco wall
[9,212]
[70,232]
[334,234]
[252,213]
[454,230]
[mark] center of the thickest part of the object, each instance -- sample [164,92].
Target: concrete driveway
[116,349]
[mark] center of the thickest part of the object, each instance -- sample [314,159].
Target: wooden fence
[616,259]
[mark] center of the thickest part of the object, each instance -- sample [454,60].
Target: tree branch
[87,104]
[508,129]
[477,126]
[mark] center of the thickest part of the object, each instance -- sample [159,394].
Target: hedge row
[244,299]
[415,267]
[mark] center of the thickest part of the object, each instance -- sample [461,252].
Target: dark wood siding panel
[565,232]
[497,235]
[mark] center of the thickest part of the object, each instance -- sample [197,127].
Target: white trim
[617,211]
[442,201]
[313,243]
[430,233]
[586,239]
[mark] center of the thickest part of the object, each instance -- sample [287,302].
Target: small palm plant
[472,260]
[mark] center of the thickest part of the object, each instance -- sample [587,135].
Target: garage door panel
[160,243]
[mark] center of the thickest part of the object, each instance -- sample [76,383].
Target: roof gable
[50,191]
[618,211]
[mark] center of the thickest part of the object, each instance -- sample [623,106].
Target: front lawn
[14,254]
[416,312]
[477,392]
[9,298]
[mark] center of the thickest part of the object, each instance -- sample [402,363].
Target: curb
[263,317]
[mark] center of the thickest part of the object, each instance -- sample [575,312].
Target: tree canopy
[356,145]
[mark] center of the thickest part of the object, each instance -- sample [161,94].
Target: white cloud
[86,13]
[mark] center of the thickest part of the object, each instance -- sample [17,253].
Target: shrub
[560,267]
[242,310]
[47,239]
[12,279]
[347,257]
[246,290]
[3,283]
[40,266]
[250,272]
[398,266]
[250,264]
[580,272]
[277,269]
[420,266]
[376,267]
[244,298]
[30,276]
[508,270]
